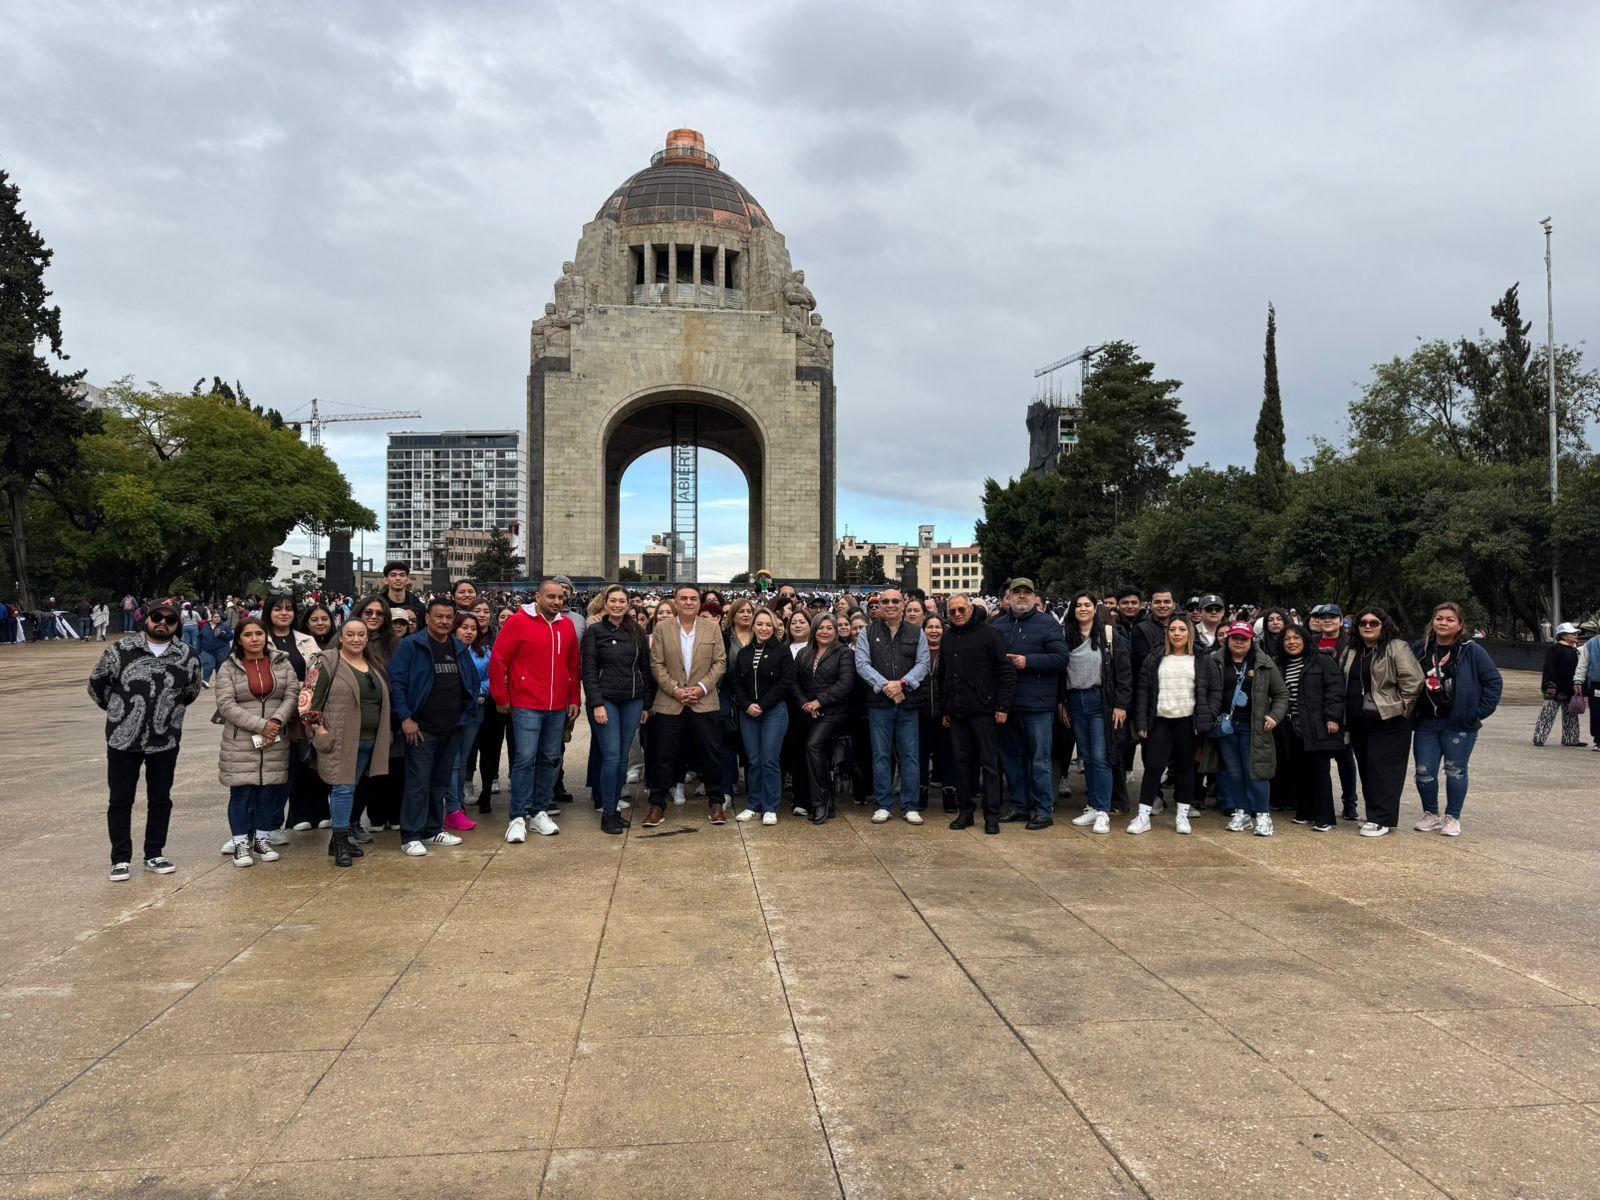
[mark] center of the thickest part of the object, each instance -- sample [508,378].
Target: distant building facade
[935,567]
[453,482]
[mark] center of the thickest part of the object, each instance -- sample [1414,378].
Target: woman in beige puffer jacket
[256,690]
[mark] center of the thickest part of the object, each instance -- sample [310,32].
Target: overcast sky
[370,202]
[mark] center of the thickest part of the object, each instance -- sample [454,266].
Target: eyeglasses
[1213,608]
[1370,624]
[373,612]
[163,618]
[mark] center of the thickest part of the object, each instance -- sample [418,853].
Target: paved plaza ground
[856,1010]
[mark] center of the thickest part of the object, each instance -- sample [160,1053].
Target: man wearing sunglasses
[144,683]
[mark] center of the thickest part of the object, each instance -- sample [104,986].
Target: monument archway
[659,419]
[680,322]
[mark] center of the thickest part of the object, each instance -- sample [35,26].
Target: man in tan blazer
[687,659]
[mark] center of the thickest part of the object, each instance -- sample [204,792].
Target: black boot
[950,805]
[819,813]
[612,823]
[963,821]
[339,847]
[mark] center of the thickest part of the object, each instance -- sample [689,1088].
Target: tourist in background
[1314,729]
[1037,649]
[1558,685]
[144,684]
[825,677]
[397,591]
[1461,688]
[191,617]
[892,660]
[216,640]
[972,693]
[615,662]
[1097,692]
[256,693]
[496,731]
[100,620]
[762,683]
[1177,699]
[353,741]
[1382,680]
[1586,678]
[932,737]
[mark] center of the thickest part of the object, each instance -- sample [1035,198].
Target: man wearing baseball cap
[144,683]
[1254,702]
[1330,637]
[1211,614]
[1037,649]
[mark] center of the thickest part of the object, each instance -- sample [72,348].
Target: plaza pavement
[857,1010]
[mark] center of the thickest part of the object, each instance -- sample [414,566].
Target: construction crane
[315,423]
[1082,356]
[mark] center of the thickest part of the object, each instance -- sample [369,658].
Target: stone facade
[680,293]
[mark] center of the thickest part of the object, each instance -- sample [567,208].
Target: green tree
[871,569]
[627,574]
[843,568]
[1509,411]
[1208,534]
[1272,472]
[496,563]
[41,415]
[188,487]
[742,579]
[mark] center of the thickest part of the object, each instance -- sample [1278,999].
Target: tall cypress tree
[41,417]
[1272,472]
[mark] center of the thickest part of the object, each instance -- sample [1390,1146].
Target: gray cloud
[369,202]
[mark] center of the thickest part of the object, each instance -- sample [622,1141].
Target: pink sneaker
[1451,827]
[459,820]
[1430,823]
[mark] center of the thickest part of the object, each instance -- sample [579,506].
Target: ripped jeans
[1438,747]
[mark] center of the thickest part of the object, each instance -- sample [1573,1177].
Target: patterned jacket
[144,695]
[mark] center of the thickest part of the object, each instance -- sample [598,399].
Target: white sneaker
[913,817]
[623,806]
[415,850]
[1102,822]
[1264,825]
[879,816]
[800,810]
[677,794]
[1141,823]
[301,826]
[769,818]
[445,839]
[543,825]
[227,846]
[262,850]
[1368,829]
[517,831]
[1181,821]
[241,853]
[635,774]
[1239,822]
[274,837]
[1086,817]
[747,814]
[325,823]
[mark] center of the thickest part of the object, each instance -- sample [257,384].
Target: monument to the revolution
[681,323]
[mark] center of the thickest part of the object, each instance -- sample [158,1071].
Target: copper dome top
[684,183]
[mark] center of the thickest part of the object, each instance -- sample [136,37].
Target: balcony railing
[688,295]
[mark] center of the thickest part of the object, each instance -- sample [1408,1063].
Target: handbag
[316,723]
[1578,705]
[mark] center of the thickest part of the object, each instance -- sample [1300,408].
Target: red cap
[1242,629]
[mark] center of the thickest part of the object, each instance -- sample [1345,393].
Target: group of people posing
[379,718]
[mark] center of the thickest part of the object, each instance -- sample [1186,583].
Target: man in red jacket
[534,675]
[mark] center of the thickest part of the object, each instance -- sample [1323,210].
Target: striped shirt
[1291,678]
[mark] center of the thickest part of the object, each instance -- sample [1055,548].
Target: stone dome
[684,183]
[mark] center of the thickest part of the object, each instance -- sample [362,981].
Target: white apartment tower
[455,480]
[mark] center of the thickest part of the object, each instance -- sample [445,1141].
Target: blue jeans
[430,766]
[763,743]
[467,737]
[1235,787]
[191,637]
[1088,713]
[341,796]
[210,660]
[894,731]
[1436,746]
[127,620]
[1025,743]
[254,808]
[537,758]
[615,739]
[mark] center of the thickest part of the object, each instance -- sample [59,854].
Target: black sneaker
[1040,823]
[119,872]
[991,825]
[159,865]
[1017,816]
[1319,828]
[964,821]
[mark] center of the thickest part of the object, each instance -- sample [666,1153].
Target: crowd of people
[391,712]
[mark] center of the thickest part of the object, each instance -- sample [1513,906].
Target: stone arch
[642,423]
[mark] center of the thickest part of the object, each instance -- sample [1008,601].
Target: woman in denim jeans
[1097,692]
[1460,690]
[763,680]
[352,695]
[470,634]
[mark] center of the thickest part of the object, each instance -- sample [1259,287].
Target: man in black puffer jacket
[977,683]
[1037,647]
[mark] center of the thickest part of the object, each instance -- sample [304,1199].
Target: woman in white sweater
[1175,703]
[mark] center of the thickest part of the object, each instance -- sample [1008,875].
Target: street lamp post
[1550,371]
